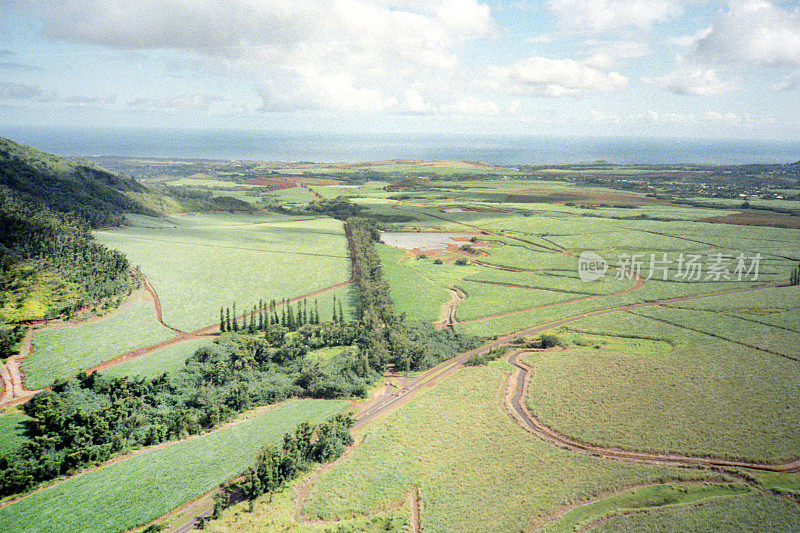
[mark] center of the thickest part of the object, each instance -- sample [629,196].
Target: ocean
[316,147]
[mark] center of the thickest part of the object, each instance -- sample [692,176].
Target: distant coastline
[293,146]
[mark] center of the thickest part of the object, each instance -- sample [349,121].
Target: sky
[702,69]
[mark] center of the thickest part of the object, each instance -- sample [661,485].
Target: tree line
[388,338]
[277,465]
[264,316]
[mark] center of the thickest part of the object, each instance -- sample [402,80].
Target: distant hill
[68,186]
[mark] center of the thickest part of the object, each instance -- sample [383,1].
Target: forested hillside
[66,186]
[49,262]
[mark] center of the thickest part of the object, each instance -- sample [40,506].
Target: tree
[335,318]
[221,320]
[235,323]
[228,319]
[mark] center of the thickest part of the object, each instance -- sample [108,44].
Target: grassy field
[12,430]
[417,297]
[211,260]
[647,498]
[746,513]
[169,359]
[703,396]
[465,454]
[141,488]
[62,353]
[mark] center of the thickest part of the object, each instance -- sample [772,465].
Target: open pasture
[147,485]
[212,260]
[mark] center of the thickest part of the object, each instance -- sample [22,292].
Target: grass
[465,454]
[644,498]
[12,430]
[417,297]
[169,359]
[326,353]
[62,353]
[211,260]
[141,488]
[489,300]
[748,513]
[700,399]
[274,513]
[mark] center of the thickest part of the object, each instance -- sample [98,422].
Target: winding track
[528,421]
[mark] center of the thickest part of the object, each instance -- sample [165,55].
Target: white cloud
[730,119]
[757,32]
[790,82]
[608,54]
[473,106]
[598,16]
[183,101]
[556,77]
[312,54]
[691,80]
[666,117]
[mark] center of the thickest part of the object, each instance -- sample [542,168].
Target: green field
[746,513]
[419,298]
[643,499]
[146,486]
[12,430]
[211,260]
[62,353]
[673,389]
[456,443]
[169,359]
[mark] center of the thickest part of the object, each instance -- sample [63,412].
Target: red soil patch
[756,218]
[275,183]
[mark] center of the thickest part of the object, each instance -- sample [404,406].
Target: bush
[461,261]
[437,261]
[548,341]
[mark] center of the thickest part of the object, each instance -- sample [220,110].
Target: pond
[423,241]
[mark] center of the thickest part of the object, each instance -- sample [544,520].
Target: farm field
[458,446]
[138,489]
[745,513]
[640,499]
[267,257]
[62,353]
[698,389]
[419,298]
[12,430]
[716,376]
[169,359]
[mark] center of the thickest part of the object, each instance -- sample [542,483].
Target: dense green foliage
[95,195]
[90,418]
[309,444]
[49,263]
